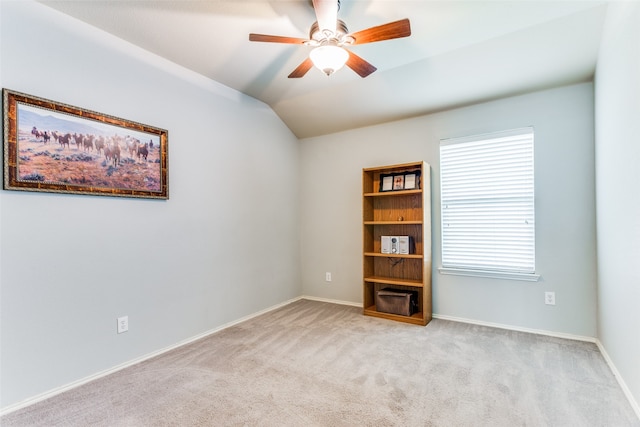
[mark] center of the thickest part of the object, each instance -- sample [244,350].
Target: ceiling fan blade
[392,30]
[359,65]
[302,69]
[326,14]
[275,39]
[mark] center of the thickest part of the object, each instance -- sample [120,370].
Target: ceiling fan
[329,36]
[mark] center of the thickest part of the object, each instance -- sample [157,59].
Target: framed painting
[54,147]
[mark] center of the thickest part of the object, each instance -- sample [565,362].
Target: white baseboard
[333,301]
[516,328]
[616,374]
[85,380]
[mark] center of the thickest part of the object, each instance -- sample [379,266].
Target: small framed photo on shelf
[398,182]
[412,180]
[386,182]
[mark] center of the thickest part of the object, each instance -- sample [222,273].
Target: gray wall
[565,209]
[72,264]
[618,191]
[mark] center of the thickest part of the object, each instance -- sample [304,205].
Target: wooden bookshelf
[399,212]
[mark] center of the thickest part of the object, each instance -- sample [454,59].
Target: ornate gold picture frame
[53,147]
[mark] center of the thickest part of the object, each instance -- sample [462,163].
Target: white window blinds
[487,194]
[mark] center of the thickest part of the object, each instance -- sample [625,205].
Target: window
[487,201]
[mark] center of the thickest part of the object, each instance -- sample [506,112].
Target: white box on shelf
[404,244]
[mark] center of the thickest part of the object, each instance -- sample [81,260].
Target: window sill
[527,277]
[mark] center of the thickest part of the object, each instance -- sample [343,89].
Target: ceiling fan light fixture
[329,58]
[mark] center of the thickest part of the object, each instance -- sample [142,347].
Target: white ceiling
[459,52]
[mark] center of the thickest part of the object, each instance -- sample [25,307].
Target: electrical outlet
[550,298]
[123,324]
[327,277]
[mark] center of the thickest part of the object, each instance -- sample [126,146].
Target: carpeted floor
[319,364]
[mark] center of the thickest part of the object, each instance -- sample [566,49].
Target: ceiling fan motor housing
[339,38]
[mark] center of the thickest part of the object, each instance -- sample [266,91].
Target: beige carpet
[320,364]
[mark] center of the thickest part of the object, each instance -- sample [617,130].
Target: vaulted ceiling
[459,52]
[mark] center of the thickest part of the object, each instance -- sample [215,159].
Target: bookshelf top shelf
[393,193]
[392,222]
